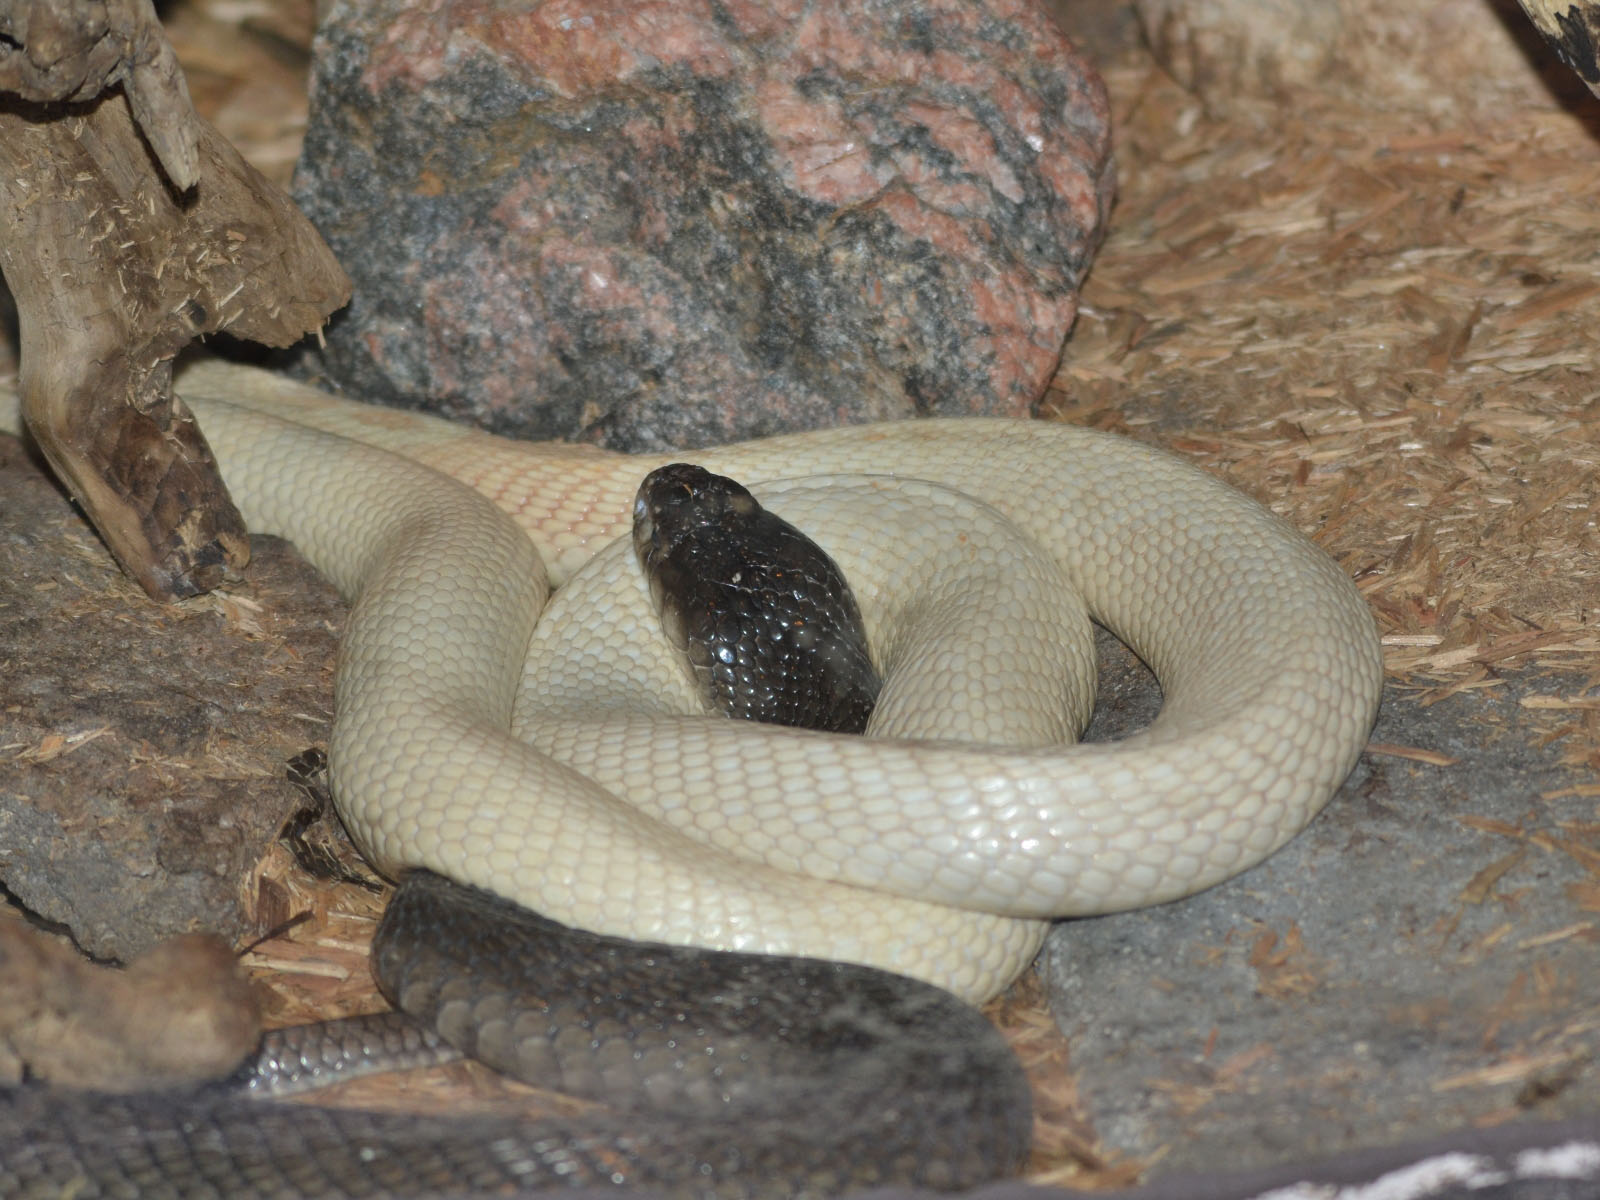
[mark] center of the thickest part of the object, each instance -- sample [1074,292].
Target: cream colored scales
[571,777]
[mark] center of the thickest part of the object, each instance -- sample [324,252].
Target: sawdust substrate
[1377,324]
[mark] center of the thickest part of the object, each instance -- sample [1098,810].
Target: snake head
[764,618]
[679,499]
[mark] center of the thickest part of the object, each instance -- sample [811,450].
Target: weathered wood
[76,49]
[128,226]
[1572,27]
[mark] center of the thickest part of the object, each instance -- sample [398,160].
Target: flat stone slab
[1423,958]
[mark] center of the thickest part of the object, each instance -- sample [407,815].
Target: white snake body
[615,809]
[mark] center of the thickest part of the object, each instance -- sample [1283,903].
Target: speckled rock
[651,223]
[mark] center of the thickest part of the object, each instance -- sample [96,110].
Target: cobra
[941,859]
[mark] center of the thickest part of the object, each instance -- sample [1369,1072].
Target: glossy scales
[932,859]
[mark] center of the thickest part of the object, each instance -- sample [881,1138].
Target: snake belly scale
[1265,651]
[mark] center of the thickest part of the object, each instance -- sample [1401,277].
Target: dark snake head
[681,510]
[679,501]
[765,619]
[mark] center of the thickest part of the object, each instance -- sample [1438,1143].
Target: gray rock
[1420,960]
[142,746]
[668,224]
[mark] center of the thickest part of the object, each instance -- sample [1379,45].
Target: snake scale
[547,751]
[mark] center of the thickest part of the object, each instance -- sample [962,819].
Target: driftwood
[1572,27]
[128,226]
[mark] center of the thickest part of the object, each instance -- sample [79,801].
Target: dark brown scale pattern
[766,620]
[727,1075]
[732,1074]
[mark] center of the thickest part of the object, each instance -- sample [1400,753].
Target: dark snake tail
[742,1073]
[727,1075]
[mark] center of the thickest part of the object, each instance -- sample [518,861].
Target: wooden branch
[116,264]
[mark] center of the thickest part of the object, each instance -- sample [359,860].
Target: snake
[767,623]
[502,720]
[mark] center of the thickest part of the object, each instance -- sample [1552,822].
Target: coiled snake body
[590,792]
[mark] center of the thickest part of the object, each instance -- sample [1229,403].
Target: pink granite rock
[653,223]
